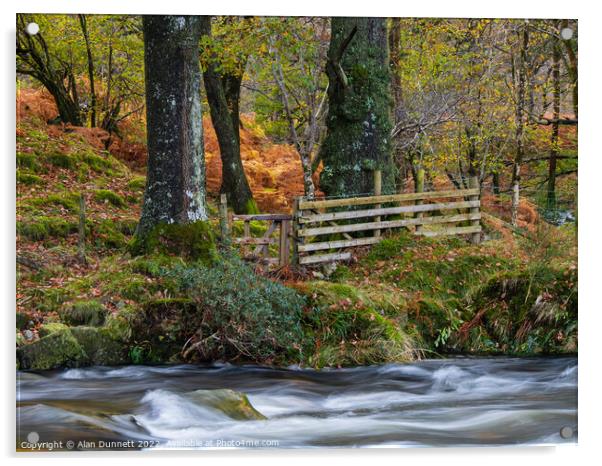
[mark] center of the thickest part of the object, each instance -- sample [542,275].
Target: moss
[104,195]
[97,163]
[391,247]
[100,347]
[106,234]
[46,227]
[62,161]
[137,183]
[154,265]
[90,313]
[69,201]
[59,349]
[29,161]
[127,227]
[28,179]
[195,241]
[51,327]
[235,405]
[119,326]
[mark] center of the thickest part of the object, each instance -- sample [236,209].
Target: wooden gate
[270,246]
[430,213]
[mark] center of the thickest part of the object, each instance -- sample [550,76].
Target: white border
[590,176]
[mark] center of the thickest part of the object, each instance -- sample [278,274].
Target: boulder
[100,347]
[234,404]
[58,349]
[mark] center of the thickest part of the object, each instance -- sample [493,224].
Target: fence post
[419,189]
[284,243]
[377,192]
[81,244]
[473,182]
[295,237]
[223,219]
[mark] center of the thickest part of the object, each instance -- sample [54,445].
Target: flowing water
[452,402]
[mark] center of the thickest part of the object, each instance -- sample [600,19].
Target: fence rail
[321,230]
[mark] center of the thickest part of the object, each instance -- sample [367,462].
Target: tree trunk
[175,187]
[519,121]
[359,117]
[222,95]
[83,23]
[394,64]
[551,195]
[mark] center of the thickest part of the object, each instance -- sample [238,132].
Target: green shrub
[229,313]
[104,195]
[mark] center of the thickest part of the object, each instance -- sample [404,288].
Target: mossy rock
[195,241]
[52,327]
[91,313]
[100,347]
[59,349]
[234,404]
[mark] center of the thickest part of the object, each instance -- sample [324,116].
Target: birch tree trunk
[520,123]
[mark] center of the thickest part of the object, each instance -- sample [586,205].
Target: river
[448,402]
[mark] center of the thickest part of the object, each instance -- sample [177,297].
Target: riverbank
[403,299]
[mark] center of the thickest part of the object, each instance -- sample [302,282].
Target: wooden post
[81,246]
[295,235]
[419,189]
[473,182]
[377,192]
[284,243]
[223,219]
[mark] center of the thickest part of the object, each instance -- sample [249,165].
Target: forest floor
[406,297]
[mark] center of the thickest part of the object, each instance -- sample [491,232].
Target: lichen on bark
[360,108]
[175,189]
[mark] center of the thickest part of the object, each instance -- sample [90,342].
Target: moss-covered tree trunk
[175,187]
[360,108]
[223,93]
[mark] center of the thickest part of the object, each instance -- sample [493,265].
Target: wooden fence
[323,230]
